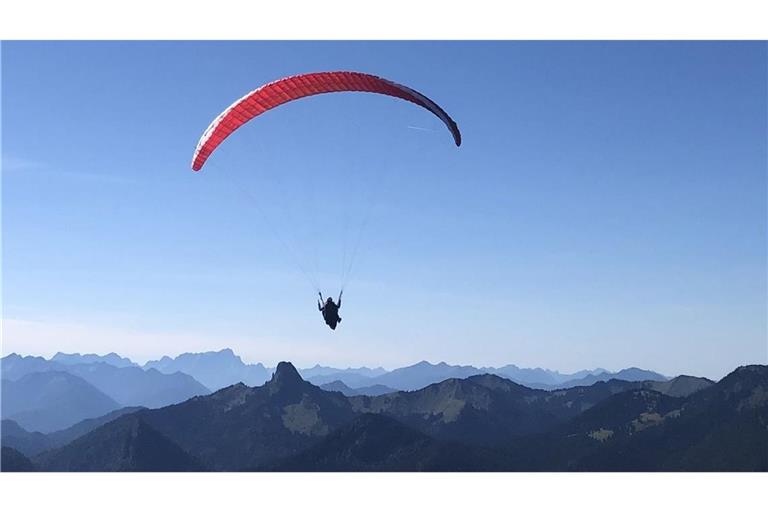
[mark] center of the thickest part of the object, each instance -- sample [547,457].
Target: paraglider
[291,88]
[330,310]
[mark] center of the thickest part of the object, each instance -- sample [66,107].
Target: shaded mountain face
[625,414]
[132,386]
[245,427]
[568,403]
[483,410]
[481,423]
[486,410]
[722,428]
[12,460]
[719,428]
[52,400]
[215,370]
[67,435]
[374,390]
[27,443]
[111,359]
[33,443]
[373,442]
[125,444]
[683,385]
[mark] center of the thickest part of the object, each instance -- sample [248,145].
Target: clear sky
[607,207]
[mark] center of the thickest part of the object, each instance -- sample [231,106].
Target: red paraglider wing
[292,88]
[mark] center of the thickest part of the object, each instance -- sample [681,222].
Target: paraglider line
[288,248]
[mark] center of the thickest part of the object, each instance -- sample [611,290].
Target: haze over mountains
[478,423]
[215,370]
[106,413]
[47,395]
[111,358]
[52,400]
[97,384]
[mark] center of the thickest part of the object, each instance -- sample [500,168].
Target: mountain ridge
[482,422]
[52,400]
[218,369]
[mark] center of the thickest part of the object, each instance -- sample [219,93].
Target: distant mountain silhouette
[534,377]
[215,370]
[128,385]
[14,366]
[133,386]
[320,371]
[682,385]
[375,390]
[125,444]
[52,400]
[33,443]
[111,358]
[349,379]
[12,460]
[424,373]
[628,374]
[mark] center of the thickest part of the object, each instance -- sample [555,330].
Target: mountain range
[223,368]
[48,401]
[215,370]
[219,369]
[172,380]
[32,443]
[47,395]
[375,390]
[111,358]
[477,423]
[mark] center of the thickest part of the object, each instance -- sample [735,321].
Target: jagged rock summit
[285,378]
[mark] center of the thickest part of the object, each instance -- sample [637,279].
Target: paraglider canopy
[285,90]
[292,88]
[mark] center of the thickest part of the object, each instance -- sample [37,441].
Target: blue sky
[607,207]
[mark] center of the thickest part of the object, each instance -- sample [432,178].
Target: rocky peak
[286,376]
